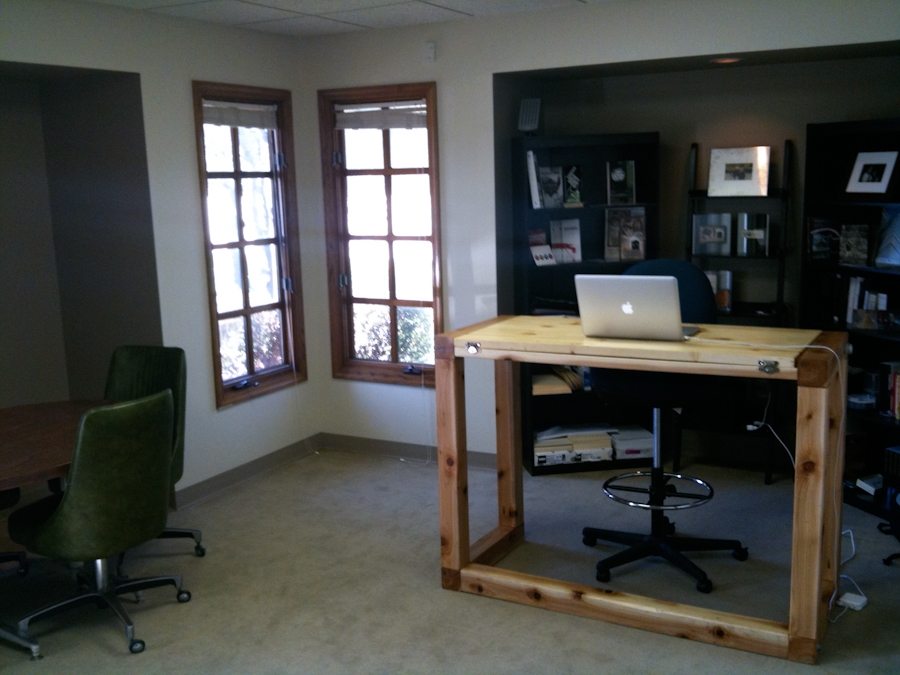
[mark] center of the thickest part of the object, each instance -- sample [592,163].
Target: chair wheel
[589,541]
[602,575]
[184,596]
[704,585]
[199,550]
[23,570]
[136,646]
[740,554]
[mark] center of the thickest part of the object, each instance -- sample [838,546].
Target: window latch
[412,370]
[280,161]
[244,384]
[343,281]
[336,158]
[287,284]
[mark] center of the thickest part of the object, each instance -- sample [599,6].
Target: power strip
[853,601]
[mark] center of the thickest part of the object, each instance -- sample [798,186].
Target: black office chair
[892,526]
[662,391]
[116,498]
[8,499]
[137,371]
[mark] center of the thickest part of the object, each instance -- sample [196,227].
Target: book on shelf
[824,240]
[753,235]
[565,240]
[886,399]
[626,233]
[711,234]
[533,186]
[854,245]
[550,179]
[572,186]
[620,187]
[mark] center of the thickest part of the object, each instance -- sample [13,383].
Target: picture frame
[712,234]
[739,172]
[872,172]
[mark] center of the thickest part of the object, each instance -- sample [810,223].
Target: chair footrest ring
[696,493]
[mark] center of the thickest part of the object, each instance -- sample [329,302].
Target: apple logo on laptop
[627,308]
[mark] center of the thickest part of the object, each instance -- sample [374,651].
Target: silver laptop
[638,307]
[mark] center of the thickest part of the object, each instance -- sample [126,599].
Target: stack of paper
[632,442]
[573,444]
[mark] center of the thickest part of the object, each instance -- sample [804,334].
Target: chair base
[16,556]
[12,635]
[660,542]
[104,592]
[179,533]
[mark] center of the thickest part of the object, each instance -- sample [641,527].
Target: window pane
[221,210]
[217,148]
[256,208]
[369,269]
[232,348]
[409,148]
[415,334]
[372,332]
[364,149]
[412,270]
[262,274]
[227,276]
[253,145]
[268,343]
[411,205]
[366,205]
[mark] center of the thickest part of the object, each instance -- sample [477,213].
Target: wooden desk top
[716,349]
[37,441]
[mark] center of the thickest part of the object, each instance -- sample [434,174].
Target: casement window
[380,176]
[245,149]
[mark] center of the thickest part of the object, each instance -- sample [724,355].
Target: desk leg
[817,515]
[453,487]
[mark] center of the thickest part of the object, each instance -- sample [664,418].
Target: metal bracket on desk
[768,367]
[473,347]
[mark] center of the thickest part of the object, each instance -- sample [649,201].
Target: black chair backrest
[698,303]
[118,487]
[138,371]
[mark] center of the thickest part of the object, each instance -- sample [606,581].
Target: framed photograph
[739,172]
[872,172]
[712,234]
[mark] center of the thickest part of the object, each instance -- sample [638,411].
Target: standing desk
[716,350]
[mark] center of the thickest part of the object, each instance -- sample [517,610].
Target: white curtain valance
[252,115]
[390,115]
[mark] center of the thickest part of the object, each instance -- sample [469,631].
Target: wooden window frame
[343,364]
[287,237]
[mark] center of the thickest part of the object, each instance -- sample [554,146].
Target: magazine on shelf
[572,186]
[550,179]
[533,180]
[712,234]
[620,182]
[626,232]
[565,240]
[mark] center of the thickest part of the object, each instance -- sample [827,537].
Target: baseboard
[322,441]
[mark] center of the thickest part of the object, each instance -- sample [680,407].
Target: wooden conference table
[780,353]
[36,444]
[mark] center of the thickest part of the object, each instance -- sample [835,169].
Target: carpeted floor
[331,565]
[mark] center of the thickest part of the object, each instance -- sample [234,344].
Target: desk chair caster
[660,541]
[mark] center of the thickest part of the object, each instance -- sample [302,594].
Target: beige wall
[169,53]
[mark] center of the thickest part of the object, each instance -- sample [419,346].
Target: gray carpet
[331,565]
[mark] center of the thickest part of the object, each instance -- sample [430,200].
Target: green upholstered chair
[116,498]
[137,371]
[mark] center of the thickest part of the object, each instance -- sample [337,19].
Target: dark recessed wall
[716,108]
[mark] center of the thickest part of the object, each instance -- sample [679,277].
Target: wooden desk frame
[815,550]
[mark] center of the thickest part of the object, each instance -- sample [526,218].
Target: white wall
[469,52]
[169,53]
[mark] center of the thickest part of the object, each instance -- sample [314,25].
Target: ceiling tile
[231,12]
[323,6]
[304,26]
[492,7]
[400,14]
